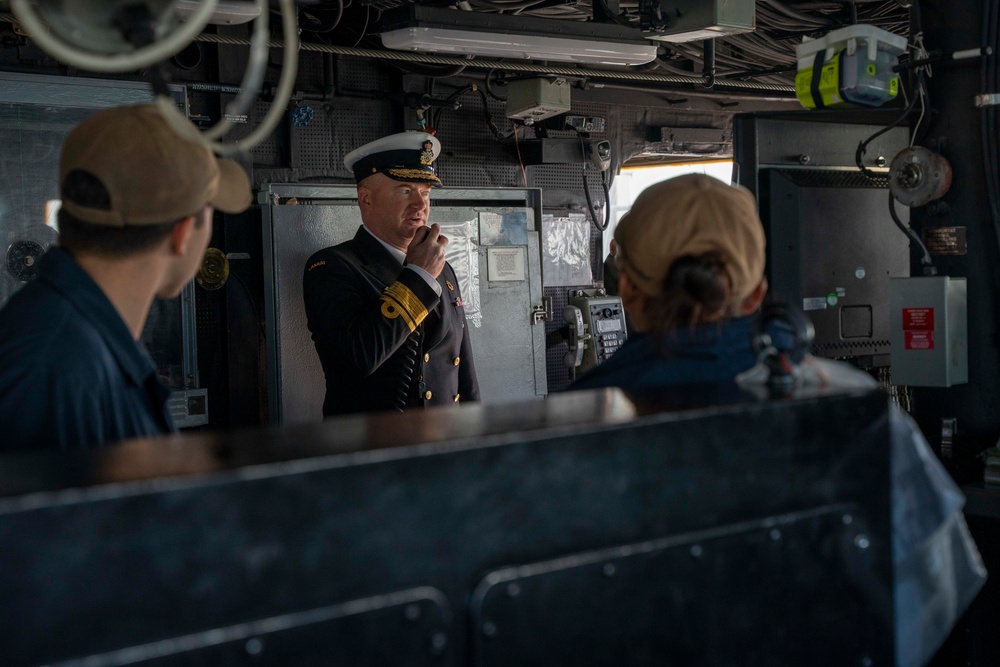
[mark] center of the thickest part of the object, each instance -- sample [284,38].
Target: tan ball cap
[692,215]
[152,174]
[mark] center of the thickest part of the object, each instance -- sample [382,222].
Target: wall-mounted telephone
[596,324]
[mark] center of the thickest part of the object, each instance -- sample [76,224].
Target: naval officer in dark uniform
[384,308]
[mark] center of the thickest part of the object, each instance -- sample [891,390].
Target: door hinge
[542,313]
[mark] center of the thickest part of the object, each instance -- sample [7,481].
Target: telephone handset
[596,323]
[578,336]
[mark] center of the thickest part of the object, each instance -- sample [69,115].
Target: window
[631,181]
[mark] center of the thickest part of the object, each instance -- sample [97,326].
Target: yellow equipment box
[849,67]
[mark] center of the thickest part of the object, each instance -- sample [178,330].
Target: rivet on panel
[439,641]
[254,646]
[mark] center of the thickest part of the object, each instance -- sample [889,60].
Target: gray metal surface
[368,631]
[184,551]
[509,351]
[522,615]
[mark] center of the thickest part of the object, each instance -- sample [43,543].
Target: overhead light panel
[439,30]
[227,12]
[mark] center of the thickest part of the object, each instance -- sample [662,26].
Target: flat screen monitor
[832,243]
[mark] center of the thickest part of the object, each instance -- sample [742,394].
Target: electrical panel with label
[929,331]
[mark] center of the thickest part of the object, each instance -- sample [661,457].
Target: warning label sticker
[918,340]
[918,328]
[918,319]
[946,240]
[814,303]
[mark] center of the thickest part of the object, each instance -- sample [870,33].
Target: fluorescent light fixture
[227,12]
[437,30]
[531,47]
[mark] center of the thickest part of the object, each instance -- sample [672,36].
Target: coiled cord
[407,370]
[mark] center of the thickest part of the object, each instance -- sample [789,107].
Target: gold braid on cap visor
[413,174]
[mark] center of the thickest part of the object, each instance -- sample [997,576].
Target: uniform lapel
[375,259]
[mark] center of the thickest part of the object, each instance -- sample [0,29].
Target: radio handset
[578,336]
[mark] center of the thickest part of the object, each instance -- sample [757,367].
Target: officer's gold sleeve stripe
[411,308]
[391,310]
[411,304]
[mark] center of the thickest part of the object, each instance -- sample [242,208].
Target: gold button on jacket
[428,395]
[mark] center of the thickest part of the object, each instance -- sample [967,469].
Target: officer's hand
[427,249]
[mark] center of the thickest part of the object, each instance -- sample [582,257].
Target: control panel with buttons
[608,327]
[596,327]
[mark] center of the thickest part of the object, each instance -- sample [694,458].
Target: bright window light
[52,207]
[633,180]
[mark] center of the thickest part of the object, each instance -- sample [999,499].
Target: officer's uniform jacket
[384,338]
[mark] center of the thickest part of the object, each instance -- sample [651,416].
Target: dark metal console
[588,529]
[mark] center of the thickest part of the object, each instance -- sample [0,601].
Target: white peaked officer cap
[406,156]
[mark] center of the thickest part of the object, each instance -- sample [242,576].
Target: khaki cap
[152,174]
[692,215]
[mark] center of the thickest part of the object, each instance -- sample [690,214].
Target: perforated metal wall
[569,177]
[310,143]
[471,155]
[355,75]
[316,134]
[310,73]
[266,153]
[338,123]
